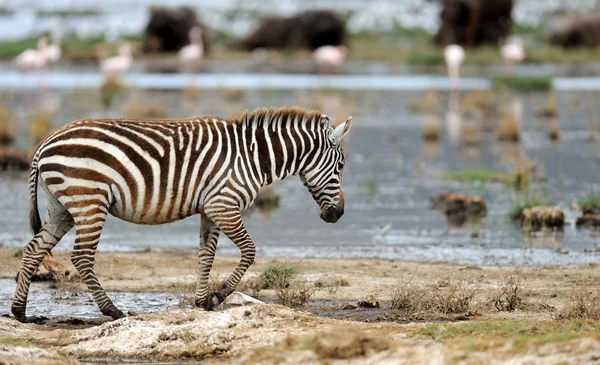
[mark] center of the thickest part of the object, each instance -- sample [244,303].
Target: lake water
[390,177]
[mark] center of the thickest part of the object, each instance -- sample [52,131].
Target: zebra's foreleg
[88,225]
[33,254]
[209,235]
[230,223]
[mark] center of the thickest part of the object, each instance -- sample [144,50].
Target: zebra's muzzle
[332,214]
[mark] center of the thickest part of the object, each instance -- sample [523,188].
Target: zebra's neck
[280,148]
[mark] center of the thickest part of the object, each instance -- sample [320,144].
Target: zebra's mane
[269,116]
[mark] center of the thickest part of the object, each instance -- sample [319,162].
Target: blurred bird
[193,52]
[53,52]
[31,59]
[383,229]
[116,65]
[328,57]
[454,56]
[453,119]
[512,52]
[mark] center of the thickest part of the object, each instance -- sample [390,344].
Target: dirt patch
[19,355]
[331,325]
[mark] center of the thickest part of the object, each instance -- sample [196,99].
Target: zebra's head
[323,177]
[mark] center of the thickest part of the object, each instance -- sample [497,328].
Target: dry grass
[152,111]
[554,132]
[331,284]
[191,92]
[508,130]
[551,109]
[510,295]
[446,297]
[234,94]
[184,295]
[584,304]
[111,87]
[542,217]
[429,103]
[40,126]
[293,293]
[476,104]
[431,130]
[13,160]
[471,136]
[7,130]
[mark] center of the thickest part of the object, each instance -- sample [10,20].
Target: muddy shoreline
[262,333]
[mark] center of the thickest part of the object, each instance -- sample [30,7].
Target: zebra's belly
[146,217]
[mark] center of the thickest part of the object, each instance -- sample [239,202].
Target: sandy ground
[330,328]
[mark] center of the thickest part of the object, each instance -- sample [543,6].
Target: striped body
[155,172]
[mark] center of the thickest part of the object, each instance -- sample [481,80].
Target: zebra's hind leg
[230,223]
[58,223]
[209,235]
[89,222]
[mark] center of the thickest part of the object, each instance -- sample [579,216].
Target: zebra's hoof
[19,314]
[213,301]
[115,314]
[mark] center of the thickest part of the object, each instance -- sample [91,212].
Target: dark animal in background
[576,30]
[474,22]
[168,29]
[308,30]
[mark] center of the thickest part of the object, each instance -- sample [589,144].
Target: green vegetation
[590,202]
[399,45]
[372,187]
[482,176]
[278,272]
[516,212]
[523,84]
[9,49]
[10,342]
[480,336]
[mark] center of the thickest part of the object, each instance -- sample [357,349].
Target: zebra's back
[147,172]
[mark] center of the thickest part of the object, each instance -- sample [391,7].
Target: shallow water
[45,301]
[391,176]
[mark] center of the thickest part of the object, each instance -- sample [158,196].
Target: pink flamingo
[193,52]
[454,56]
[513,51]
[330,56]
[113,66]
[53,52]
[31,59]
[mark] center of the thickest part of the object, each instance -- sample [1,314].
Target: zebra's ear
[341,131]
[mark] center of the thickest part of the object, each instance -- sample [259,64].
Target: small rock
[369,301]
[237,299]
[460,209]
[588,221]
[540,217]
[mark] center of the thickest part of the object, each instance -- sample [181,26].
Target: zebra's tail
[35,223]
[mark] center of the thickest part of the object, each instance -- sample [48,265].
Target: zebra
[160,171]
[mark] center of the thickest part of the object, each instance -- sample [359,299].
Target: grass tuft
[590,203]
[510,295]
[517,211]
[446,297]
[294,292]
[583,304]
[523,84]
[278,273]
